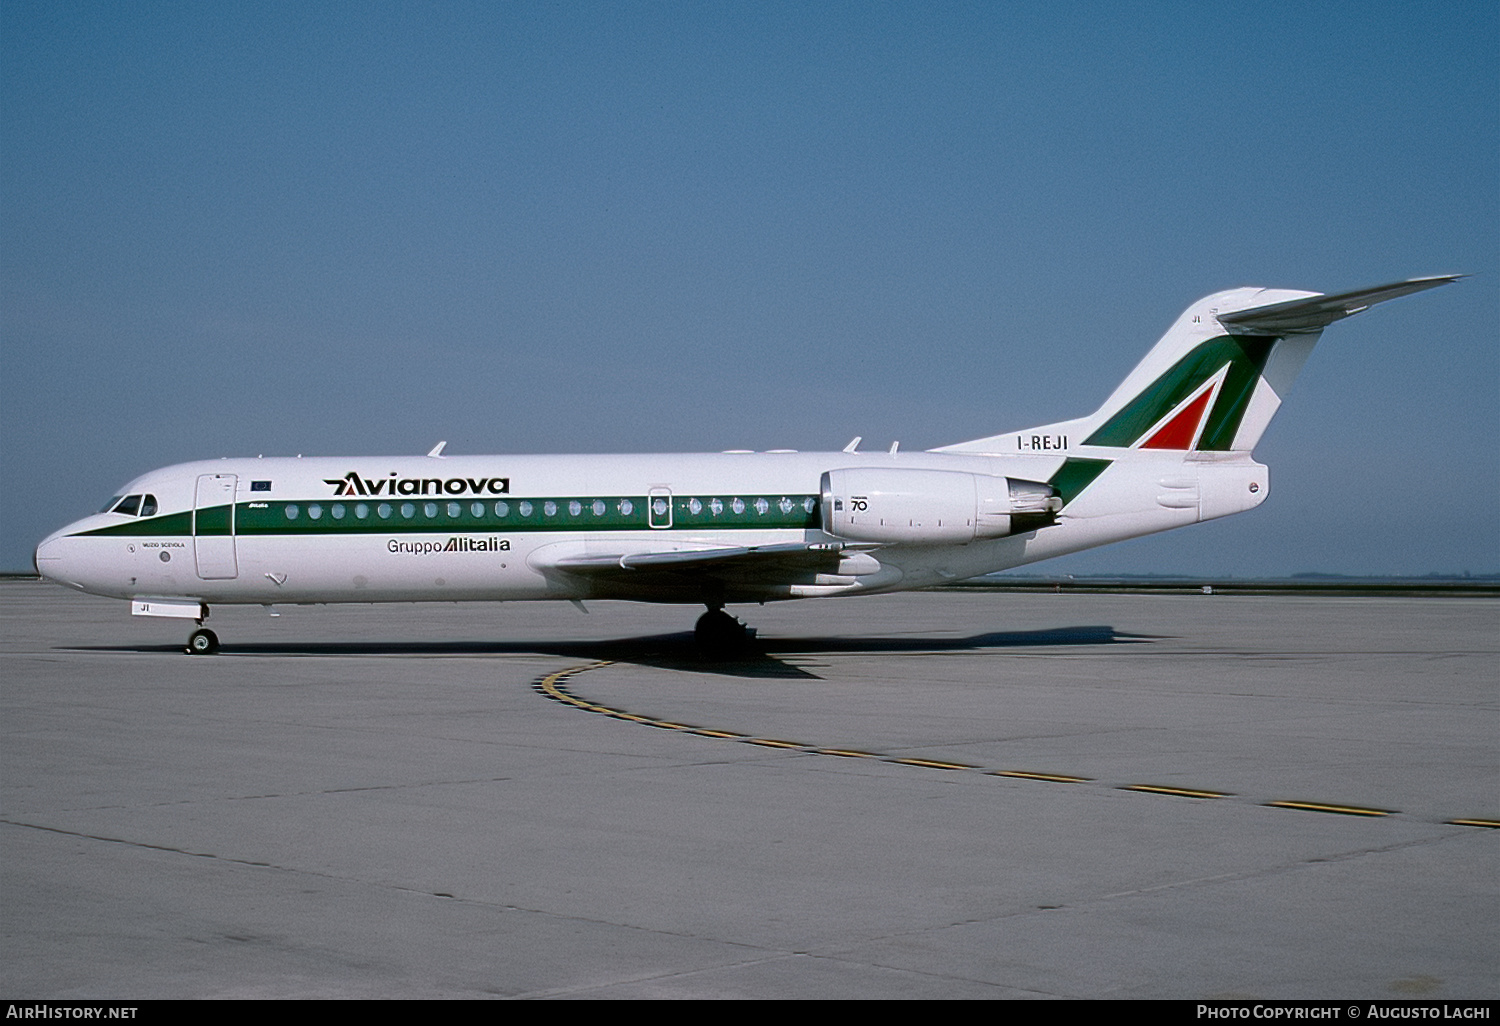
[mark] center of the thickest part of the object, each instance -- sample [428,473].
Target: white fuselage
[503,527]
[1171,446]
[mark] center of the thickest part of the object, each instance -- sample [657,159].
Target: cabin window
[293,511]
[550,508]
[716,506]
[477,509]
[737,504]
[408,510]
[314,511]
[455,510]
[808,504]
[337,509]
[761,506]
[502,509]
[626,507]
[383,511]
[361,510]
[598,507]
[260,486]
[695,507]
[575,508]
[526,508]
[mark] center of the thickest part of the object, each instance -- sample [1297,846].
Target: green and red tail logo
[1197,404]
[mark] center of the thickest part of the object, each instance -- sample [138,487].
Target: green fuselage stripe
[445,516]
[1075,475]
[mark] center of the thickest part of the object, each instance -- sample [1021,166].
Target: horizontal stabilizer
[1317,312]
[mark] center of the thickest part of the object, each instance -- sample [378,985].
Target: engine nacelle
[879,504]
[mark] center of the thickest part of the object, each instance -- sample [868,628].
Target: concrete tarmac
[916,796]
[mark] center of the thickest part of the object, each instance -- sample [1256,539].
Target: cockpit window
[110,504]
[148,506]
[130,505]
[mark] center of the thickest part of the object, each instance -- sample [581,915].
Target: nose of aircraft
[51,558]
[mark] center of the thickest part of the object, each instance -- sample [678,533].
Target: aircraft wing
[740,562]
[1317,312]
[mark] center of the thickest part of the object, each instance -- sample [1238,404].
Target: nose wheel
[202,642]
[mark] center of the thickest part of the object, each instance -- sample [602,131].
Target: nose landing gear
[202,642]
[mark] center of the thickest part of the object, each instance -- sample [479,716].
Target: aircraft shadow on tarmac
[762,657]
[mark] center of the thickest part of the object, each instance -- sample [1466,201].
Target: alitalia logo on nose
[352,484]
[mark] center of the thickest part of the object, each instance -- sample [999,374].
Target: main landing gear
[718,634]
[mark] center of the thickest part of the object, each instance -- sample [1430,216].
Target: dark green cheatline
[417,514]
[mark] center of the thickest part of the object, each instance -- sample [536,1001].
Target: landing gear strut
[717,633]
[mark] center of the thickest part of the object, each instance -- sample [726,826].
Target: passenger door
[213,527]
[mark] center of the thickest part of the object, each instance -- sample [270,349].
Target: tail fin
[1214,380]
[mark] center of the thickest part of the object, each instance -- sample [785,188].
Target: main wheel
[717,633]
[203,642]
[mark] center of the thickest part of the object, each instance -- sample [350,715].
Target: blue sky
[340,229]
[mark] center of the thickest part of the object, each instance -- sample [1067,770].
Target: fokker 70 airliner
[1172,446]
